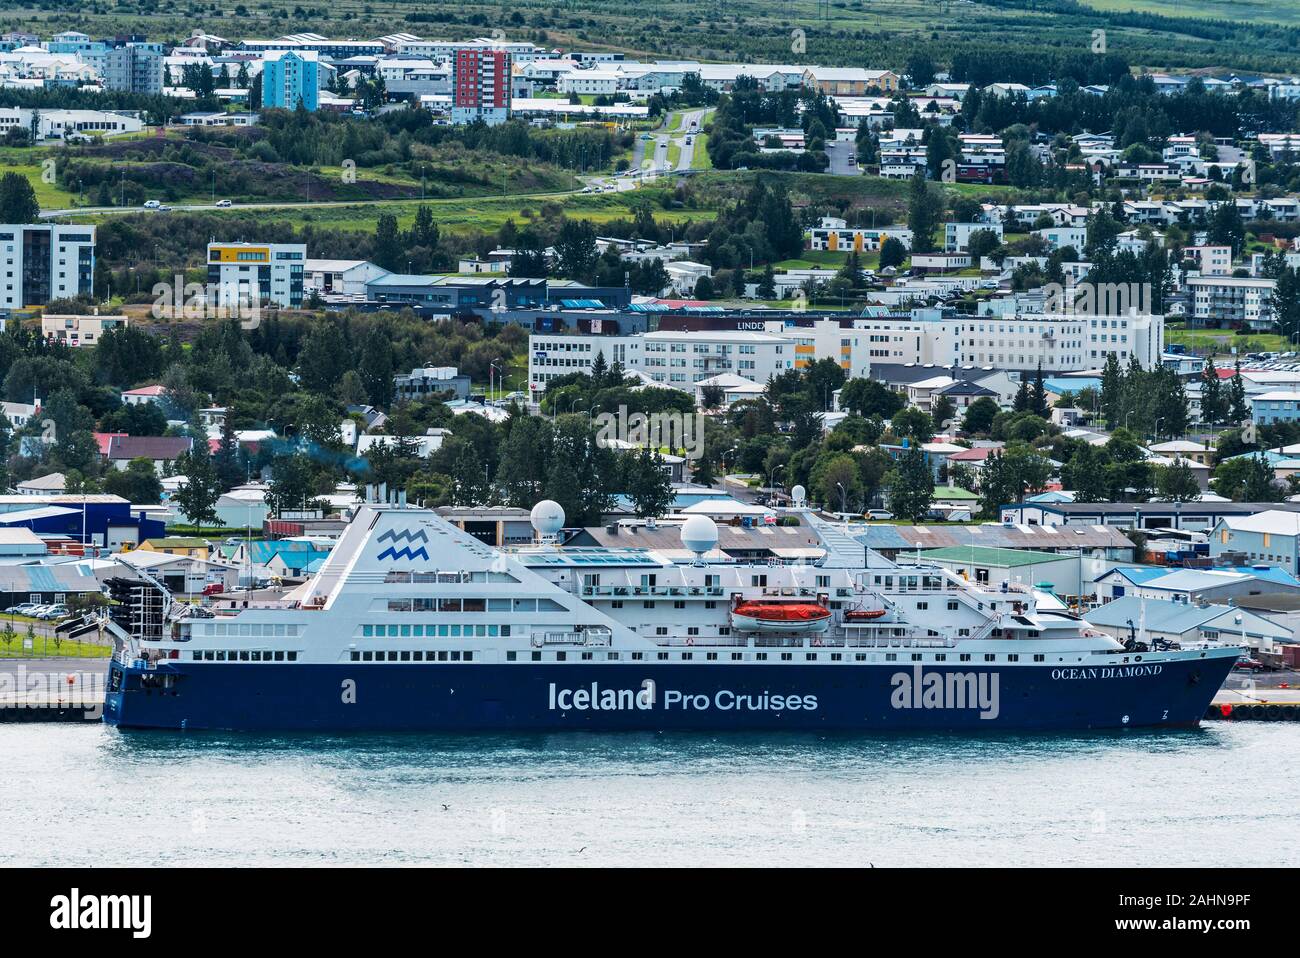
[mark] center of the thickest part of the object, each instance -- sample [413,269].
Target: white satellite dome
[547,517]
[798,494]
[699,534]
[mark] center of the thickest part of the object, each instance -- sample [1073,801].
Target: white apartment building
[1061,342]
[832,234]
[957,235]
[269,273]
[1227,300]
[589,82]
[41,263]
[1212,260]
[78,330]
[674,358]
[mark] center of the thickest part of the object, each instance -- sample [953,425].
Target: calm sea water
[74,795]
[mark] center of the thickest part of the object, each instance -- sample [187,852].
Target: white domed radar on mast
[700,535]
[548,519]
[799,495]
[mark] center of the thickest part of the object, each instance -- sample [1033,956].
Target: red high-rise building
[481,89]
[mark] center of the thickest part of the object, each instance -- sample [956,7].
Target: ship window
[647,605]
[243,656]
[455,656]
[279,656]
[498,605]
[860,657]
[916,656]
[661,656]
[511,656]
[952,605]
[449,605]
[480,631]
[611,656]
[367,630]
[1013,657]
[711,656]
[419,631]
[990,657]
[221,656]
[469,656]
[687,656]
[617,604]
[941,657]
[406,631]
[537,656]
[505,631]
[810,656]
[761,656]
[737,656]
[442,656]
[392,656]
[356,656]
[417,655]
[586,656]
[367,656]
[405,656]
[679,604]
[442,631]
[710,604]
[392,631]
[455,631]
[787,656]
[638,656]
[560,656]
[493,630]
[964,657]
[923,605]
[693,630]
[836,657]
[293,656]
[1040,658]
[399,605]
[891,656]
[475,605]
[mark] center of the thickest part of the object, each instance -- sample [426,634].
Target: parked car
[1247,664]
[24,608]
[54,612]
[213,588]
[881,514]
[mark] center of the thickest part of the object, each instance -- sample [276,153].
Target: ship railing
[597,637]
[700,641]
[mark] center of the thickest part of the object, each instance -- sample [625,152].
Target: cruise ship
[412,623]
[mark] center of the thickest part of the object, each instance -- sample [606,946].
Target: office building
[41,263]
[264,273]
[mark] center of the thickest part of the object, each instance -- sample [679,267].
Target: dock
[1255,705]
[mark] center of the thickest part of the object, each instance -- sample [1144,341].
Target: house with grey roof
[1187,623]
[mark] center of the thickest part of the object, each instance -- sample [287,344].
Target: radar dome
[798,494]
[547,517]
[699,534]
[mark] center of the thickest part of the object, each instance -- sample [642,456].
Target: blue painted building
[105,521]
[290,77]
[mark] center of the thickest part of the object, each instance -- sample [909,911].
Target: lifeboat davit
[759,616]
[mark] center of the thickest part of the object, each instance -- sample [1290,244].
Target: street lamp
[771,478]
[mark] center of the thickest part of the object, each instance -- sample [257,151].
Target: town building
[291,78]
[481,84]
[78,330]
[262,273]
[42,263]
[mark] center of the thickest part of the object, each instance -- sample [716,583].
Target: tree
[712,396]
[912,423]
[911,486]
[1177,483]
[869,397]
[388,247]
[1238,408]
[766,285]
[836,481]
[292,484]
[924,210]
[1246,478]
[648,484]
[138,483]
[892,253]
[1086,474]
[18,200]
[980,415]
[197,499]
[1214,404]
[1038,399]
[575,249]
[943,410]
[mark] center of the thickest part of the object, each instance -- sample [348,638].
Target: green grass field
[45,647]
[1223,341]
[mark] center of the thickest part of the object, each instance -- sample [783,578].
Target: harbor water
[89,795]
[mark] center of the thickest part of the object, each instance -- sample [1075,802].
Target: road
[842,157]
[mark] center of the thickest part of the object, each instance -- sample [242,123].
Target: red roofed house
[161,450]
[104,440]
[135,397]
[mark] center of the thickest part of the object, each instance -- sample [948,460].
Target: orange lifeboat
[761,616]
[862,615]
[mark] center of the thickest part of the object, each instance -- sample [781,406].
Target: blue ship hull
[643,696]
